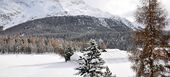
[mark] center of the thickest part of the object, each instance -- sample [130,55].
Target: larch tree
[148,40]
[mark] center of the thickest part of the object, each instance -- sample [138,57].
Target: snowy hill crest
[13,12]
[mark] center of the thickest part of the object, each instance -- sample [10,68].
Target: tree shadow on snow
[116,60]
[52,65]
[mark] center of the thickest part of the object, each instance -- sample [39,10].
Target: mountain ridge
[14,12]
[73,20]
[114,32]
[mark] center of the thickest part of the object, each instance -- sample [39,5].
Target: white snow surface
[14,12]
[52,65]
[168,26]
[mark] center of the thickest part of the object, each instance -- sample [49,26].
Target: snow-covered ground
[52,65]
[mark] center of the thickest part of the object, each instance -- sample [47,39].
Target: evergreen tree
[145,59]
[68,53]
[91,64]
[108,73]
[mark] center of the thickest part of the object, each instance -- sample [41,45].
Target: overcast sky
[123,8]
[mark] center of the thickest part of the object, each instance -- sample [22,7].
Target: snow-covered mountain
[66,19]
[114,31]
[13,12]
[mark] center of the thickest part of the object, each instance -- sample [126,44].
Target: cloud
[117,7]
[123,8]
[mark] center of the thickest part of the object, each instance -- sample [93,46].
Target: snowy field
[51,65]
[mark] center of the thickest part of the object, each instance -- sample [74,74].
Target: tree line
[38,45]
[34,45]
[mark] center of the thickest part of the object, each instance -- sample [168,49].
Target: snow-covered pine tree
[145,58]
[108,73]
[68,53]
[91,64]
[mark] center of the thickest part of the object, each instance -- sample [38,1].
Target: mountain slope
[66,19]
[114,32]
[13,12]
